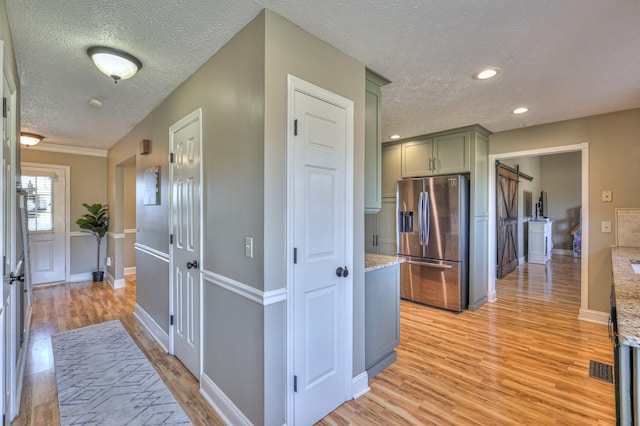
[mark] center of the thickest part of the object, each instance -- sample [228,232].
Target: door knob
[193,264]
[342,272]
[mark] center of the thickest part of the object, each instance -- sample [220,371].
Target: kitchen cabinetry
[372,142]
[540,241]
[391,169]
[382,317]
[440,155]
[380,229]
[462,150]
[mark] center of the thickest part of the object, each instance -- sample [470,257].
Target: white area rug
[104,379]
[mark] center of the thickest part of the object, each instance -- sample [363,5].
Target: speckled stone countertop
[627,285]
[377,261]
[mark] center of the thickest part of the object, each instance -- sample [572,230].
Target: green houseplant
[96,222]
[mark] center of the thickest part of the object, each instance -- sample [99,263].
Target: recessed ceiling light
[486,73]
[96,103]
[114,63]
[520,110]
[30,139]
[395,137]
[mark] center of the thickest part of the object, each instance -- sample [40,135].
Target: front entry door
[185,137]
[47,222]
[507,217]
[321,229]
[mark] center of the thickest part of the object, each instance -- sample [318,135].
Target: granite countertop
[377,261]
[627,287]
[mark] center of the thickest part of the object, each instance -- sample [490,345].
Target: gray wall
[290,50]
[129,221]
[614,164]
[242,90]
[560,177]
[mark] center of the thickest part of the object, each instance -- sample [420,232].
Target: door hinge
[295,255]
[170,238]
[4,107]
[295,383]
[171,320]
[171,158]
[295,127]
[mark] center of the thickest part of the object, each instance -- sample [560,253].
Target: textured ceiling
[562,59]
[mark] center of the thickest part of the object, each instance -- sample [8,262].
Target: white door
[185,137]
[321,232]
[47,223]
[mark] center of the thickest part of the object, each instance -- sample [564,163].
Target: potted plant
[96,222]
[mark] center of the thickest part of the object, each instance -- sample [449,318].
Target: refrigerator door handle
[429,265]
[427,218]
[421,218]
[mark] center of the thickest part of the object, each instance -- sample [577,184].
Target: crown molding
[77,150]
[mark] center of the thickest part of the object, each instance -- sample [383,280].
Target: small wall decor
[151,179]
[145,146]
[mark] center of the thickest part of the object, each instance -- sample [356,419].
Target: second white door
[321,278]
[185,137]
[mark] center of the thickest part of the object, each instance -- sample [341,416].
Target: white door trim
[583,148]
[295,84]
[65,171]
[182,123]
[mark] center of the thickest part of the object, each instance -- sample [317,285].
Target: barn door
[507,217]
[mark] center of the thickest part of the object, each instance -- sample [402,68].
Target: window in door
[39,202]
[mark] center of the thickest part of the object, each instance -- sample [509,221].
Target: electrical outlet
[607,196]
[248,247]
[108,261]
[605,226]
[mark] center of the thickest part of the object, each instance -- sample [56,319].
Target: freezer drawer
[435,283]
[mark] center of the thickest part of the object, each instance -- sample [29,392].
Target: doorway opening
[583,149]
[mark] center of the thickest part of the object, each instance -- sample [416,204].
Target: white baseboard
[152,327]
[86,276]
[562,252]
[221,403]
[360,385]
[130,271]
[115,284]
[594,316]
[493,296]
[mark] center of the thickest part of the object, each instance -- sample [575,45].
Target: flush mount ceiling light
[520,110]
[395,137]
[30,139]
[486,73]
[114,63]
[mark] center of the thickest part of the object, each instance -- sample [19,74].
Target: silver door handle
[421,218]
[427,218]
[430,265]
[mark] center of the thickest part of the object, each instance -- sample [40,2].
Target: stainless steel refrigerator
[433,237]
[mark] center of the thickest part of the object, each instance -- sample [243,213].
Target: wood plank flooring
[68,306]
[521,360]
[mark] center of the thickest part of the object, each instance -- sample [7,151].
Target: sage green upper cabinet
[391,169]
[439,155]
[372,142]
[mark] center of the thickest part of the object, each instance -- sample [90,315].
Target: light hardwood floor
[521,360]
[68,306]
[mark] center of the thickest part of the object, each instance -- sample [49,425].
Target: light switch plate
[248,247]
[605,226]
[607,197]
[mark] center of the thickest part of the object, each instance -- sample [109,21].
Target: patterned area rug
[104,379]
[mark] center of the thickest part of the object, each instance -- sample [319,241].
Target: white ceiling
[561,58]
